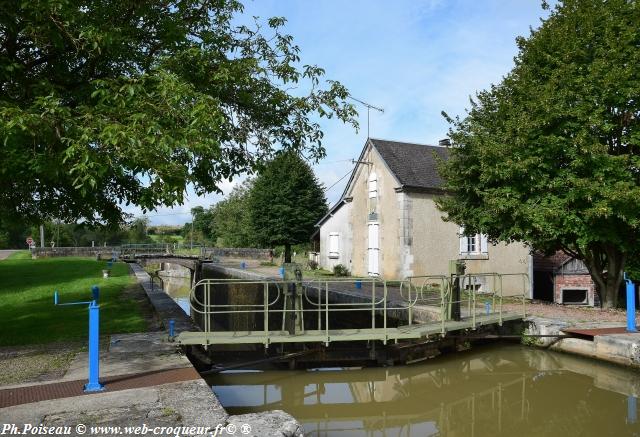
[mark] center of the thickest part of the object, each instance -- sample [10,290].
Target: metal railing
[282,298]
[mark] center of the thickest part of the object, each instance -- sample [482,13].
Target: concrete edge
[621,349]
[276,421]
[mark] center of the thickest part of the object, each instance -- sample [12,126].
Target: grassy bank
[27,313]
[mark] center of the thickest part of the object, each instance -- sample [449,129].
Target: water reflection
[501,390]
[178,288]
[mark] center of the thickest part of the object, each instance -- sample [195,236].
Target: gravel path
[5,253]
[577,314]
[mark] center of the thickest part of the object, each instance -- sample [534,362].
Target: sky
[413,58]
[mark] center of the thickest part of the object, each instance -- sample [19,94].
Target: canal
[503,389]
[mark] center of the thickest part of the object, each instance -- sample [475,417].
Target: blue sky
[412,58]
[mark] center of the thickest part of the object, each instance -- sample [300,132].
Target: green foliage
[340,270]
[115,103]
[231,222]
[285,203]
[551,155]
[27,314]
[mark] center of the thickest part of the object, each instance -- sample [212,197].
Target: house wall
[436,242]
[388,220]
[414,240]
[340,222]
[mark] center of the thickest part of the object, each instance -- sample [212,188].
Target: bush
[340,270]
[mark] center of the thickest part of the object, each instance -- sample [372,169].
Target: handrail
[414,290]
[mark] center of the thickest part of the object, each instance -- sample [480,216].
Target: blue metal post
[56,298]
[95,291]
[281,270]
[172,327]
[358,284]
[487,307]
[243,265]
[631,305]
[94,349]
[632,409]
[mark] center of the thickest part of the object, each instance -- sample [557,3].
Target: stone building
[387,223]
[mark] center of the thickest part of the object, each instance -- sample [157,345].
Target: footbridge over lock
[307,311]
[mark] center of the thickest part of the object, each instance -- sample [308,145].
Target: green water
[501,390]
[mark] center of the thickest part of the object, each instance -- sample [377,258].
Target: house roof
[414,165]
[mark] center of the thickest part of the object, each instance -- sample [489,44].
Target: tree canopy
[111,103]
[551,155]
[285,203]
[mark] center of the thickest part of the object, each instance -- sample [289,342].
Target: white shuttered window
[334,245]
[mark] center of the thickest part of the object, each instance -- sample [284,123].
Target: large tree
[551,155]
[231,221]
[117,102]
[285,203]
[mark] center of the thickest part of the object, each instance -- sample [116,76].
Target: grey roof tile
[414,165]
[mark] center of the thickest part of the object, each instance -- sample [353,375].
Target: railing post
[500,304]
[94,349]
[473,302]
[373,304]
[524,293]
[410,306]
[384,316]
[326,312]
[266,314]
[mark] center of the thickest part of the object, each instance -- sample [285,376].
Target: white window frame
[334,251]
[473,244]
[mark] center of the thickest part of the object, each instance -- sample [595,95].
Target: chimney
[444,143]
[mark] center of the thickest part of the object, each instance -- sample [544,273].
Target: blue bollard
[56,298]
[172,327]
[95,291]
[110,265]
[281,271]
[358,284]
[94,349]
[243,265]
[487,307]
[631,305]
[632,409]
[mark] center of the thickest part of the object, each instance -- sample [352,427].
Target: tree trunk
[606,266]
[287,253]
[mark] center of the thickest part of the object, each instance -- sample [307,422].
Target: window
[334,245]
[473,244]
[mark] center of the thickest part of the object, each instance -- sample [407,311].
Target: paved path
[5,253]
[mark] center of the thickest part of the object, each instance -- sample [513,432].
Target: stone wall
[238,252]
[104,252]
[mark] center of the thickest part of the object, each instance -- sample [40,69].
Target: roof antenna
[369,107]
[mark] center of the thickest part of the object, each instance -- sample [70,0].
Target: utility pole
[368,106]
[42,236]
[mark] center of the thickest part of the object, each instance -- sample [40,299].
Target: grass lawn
[27,312]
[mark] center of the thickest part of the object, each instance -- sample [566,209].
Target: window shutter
[484,246]
[463,241]
[373,185]
[334,245]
